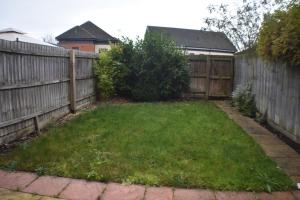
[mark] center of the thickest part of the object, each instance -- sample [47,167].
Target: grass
[184,144]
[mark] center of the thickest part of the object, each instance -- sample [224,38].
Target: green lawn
[184,144]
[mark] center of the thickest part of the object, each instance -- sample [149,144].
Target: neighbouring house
[197,41]
[12,34]
[86,37]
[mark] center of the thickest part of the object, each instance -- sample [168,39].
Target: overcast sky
[118,18]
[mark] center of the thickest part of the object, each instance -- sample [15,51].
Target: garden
[157,138]
[182,144]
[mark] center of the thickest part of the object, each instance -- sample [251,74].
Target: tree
[242,24]
[279,37]
[49,38]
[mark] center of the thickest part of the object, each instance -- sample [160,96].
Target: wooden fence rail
[40,83]
[276,87]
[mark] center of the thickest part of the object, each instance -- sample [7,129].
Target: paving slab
[13,195]
[2,173]
[17,180]
[279,151]
[193,194]
[83,190]
[267,139]
[159,193]
[234,195]
[296,194]
[47,186]
[115,191]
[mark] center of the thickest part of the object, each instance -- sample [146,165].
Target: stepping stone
[116,191]
[234,195]
[83,190]
[47,186]
[159,193]
[189,194]
[17,180]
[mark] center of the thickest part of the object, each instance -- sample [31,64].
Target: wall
[276,87]
[99,47]
[40,83]
[83,46]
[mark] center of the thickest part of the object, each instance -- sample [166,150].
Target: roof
[196,39]
[86,32]
[11,30]
[16,35]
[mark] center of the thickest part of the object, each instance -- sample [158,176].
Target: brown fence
[276,87]
[211,76]
[39,83]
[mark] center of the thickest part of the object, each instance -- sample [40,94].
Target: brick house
[86,37]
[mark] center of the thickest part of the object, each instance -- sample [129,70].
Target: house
[86,37]
[197,41]
[12,34]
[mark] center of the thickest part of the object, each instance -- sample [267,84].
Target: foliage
[104,69]
[243,99]
[279,37]
[242,24]
[159,69]
[181,144]
[148,70]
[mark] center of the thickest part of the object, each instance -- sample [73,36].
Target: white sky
[118,18]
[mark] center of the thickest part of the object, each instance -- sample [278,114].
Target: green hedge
[152,69]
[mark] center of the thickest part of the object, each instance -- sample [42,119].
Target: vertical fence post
[208,66]
[72,74]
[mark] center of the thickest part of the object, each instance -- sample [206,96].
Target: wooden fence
[40,83]
[276,87]
[211,76]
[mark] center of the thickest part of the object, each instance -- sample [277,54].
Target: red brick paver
[83,190]
[17,180]
[162,193]
[234,195]
[47,186]
[275,196]
[116,191]
[186,194]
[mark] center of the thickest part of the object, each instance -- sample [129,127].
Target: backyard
[180,144]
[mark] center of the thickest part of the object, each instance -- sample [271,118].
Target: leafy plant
[243,99]
[40,171]
[279,37]
[148,70]
[104,71]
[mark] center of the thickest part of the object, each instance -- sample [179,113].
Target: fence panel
[35,86]
[276,87]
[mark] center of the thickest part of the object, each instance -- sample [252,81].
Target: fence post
[72,74]
[208,66]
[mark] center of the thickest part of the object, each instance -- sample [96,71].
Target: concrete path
[285,157]
[30,186]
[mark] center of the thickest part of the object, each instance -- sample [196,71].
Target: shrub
[148,70]
[243,99]
[279,37]
[104,71]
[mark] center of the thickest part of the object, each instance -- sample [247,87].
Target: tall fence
[40,83]
[276,87]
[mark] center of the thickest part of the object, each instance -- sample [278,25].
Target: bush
[104,70]
[160,69]
[279,37]
[243,99]
[152,69]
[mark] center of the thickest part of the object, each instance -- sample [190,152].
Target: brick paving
[50,188]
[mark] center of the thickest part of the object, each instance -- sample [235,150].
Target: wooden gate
[211,76]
